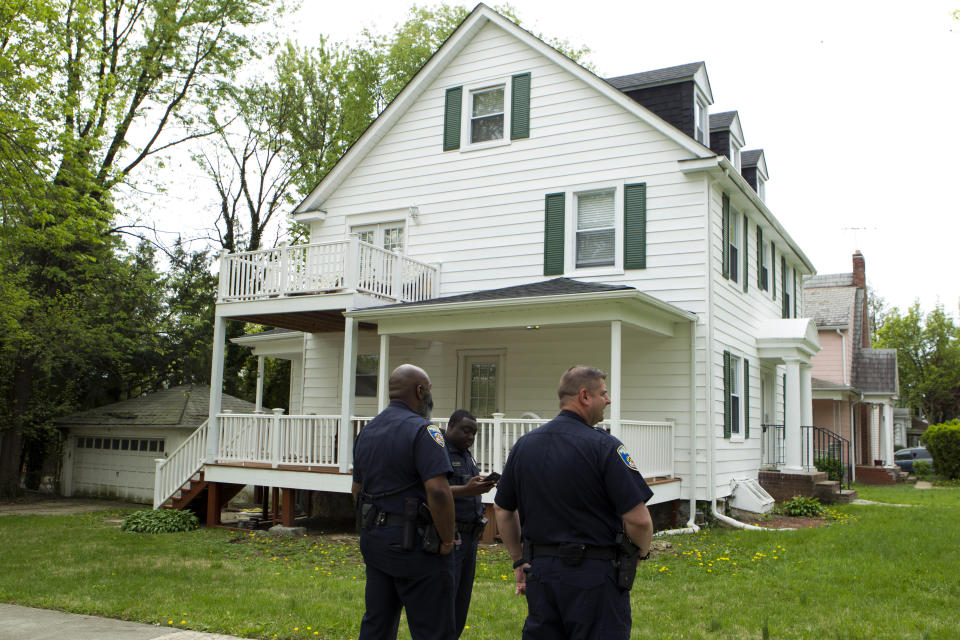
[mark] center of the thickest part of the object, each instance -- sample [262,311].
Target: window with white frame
[700,120]
[734,153]
[734,230]
[761,187]
[596,228]
[487,114]
[736,393]
[764,270]
[388,235]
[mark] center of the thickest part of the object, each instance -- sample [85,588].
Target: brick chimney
[859,271]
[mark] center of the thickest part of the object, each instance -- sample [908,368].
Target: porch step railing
[771,445]
[817,445]
[311,440]
[326,267]
[185,461]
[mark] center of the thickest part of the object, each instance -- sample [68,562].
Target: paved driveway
[43,505]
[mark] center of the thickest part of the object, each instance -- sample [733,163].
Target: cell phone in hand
[493,477]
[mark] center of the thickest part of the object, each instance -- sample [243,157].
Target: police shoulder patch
[627,458]
[436,434]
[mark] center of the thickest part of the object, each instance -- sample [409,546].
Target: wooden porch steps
[195,494]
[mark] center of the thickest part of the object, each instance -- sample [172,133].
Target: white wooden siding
[481,211]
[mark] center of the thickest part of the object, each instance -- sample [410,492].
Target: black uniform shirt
[469,509]
[570,483]
[398,448]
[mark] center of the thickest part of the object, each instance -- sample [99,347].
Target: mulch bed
[789,522]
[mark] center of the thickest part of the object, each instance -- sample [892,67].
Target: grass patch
[887,572]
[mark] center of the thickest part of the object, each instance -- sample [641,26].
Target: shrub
[922,469]
[160,521]
[943,443]
[802,507]
[831,465]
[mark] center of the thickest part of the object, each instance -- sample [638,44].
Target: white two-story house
[511,214]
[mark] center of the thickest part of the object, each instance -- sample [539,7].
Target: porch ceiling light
[533,326]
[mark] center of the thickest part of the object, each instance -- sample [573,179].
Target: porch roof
[550,302]
[788,339]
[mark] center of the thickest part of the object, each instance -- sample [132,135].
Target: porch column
[854,445]
[888,434]
[383,374]
[259,403]
[216,388]
[806,411]
[614,388]
[874,433]
[347,383]
[792,419]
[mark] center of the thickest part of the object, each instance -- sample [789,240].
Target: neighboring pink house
[854,386]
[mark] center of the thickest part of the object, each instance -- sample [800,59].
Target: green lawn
[881,572]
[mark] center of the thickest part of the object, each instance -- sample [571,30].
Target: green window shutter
[725,234]
[727,415]
[746,398]
[773,270]
[451,118]
[759,257]
[784,308]
[520,106]
[746,252]
[553,234]
[635,226]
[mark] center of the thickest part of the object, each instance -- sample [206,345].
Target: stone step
[846,496]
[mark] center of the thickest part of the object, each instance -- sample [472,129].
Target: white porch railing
[323,268]
[174,471]
[311,440]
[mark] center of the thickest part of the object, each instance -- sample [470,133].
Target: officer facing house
[467,485]
[400,467]
[582,501]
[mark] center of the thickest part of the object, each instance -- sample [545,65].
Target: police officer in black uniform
[568,494]
[400,464]
[467,485]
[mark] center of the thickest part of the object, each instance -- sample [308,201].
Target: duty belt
[470,528]
[568,550]
[385,519]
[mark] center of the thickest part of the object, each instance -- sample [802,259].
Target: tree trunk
[11,443]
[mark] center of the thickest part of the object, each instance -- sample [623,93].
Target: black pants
[464,570]
[421,583]
[575,603]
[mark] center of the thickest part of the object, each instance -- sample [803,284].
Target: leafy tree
[928,356]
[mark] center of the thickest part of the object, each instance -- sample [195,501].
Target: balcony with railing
[326,267]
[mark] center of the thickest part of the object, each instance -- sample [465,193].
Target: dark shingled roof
[720,121]
[829,280]
[829,306]
[185,406]
[875,370]
[680,72]
[555,287]
[749,158]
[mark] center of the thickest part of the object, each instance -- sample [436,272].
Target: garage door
[116,467]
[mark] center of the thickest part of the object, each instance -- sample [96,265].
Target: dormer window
[761,188]
[486,114]
[734,154]
[700,120]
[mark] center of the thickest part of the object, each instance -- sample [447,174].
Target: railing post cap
[498,415]
[277,411]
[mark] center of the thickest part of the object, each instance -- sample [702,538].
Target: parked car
[904,457]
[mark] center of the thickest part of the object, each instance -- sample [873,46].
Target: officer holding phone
[467,485]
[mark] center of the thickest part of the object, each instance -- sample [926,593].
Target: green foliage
[922,469]
[802,507]
[831,465]
[928,359]
[943,443]
[159,521]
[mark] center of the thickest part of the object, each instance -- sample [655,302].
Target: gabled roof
[829,280]
[755,158]
[184,406]
[695,71]
[830,307]
[478,18]
[727,121]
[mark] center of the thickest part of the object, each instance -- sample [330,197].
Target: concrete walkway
[24,623]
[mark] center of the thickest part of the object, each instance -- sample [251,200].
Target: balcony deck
[313,278]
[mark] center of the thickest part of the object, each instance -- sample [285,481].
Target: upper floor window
[734,238]
[388,235]
[700,120]
[763,247]
[596,229]
[761,187]
[734,153]
[486,114]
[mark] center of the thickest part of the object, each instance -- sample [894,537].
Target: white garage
[111,451]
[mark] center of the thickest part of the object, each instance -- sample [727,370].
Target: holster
[626,562]
[430,540]
[366,512]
